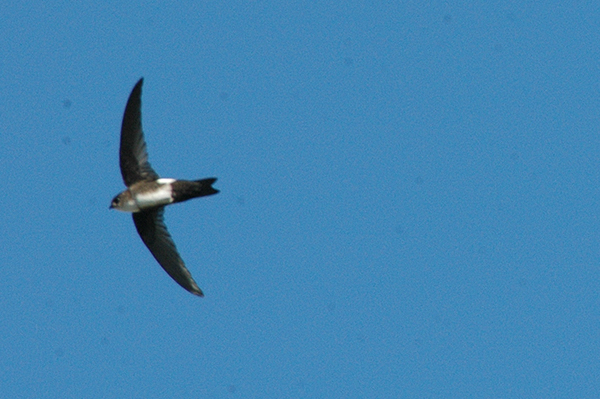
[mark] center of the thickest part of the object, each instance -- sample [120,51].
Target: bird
[148,194]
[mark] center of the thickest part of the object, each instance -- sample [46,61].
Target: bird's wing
[133,156]
[152,229]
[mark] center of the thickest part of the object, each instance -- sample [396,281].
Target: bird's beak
[111,206]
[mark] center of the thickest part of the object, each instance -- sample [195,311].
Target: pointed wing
[152,229]
[133,156]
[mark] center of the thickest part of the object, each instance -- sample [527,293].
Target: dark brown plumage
[147,194]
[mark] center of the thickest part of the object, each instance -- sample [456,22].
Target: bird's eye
[116,201]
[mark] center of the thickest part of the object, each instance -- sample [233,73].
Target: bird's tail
[184,190]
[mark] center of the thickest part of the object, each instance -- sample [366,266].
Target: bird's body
[147,194]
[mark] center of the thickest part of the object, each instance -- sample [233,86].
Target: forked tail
[184,190]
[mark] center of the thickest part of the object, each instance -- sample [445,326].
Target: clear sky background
[408,206]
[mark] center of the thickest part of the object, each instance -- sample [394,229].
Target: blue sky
[408,201]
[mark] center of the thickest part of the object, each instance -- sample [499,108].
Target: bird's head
[124,202]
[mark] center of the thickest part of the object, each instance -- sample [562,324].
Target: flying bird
[147,194]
